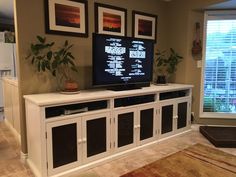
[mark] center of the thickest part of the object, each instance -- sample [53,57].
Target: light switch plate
[199,63]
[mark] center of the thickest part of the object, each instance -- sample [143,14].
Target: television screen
[121,60]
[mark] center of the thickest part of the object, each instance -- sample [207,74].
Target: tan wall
[30,22]
[176,21]
[183,14]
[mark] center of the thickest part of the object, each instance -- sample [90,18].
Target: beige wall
[176,21]
[30,22]
[183,14]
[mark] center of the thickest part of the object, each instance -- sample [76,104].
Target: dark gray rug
[220,136]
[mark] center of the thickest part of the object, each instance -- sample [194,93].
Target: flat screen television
[121,61]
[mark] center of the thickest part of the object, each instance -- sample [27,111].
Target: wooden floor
[11,166]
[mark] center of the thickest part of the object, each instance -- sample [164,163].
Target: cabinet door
[166,118]
[96,136]
[62,147]
[183,114]
[147,122]
[125,128]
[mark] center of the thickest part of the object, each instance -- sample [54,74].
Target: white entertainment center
[70,133]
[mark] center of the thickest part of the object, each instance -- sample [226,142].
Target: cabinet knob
[84,140]
[137,126]
[79,141]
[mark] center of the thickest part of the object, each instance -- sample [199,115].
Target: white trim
[13,130]
[203,66]
[218,115]
[210,125]
[222,14]
[212,15]
[23,157]
[33,168]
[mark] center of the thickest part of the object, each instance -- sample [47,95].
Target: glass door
[183,114]
[166,118]
[125,128]
[147,122]
[63,138]
[96,136]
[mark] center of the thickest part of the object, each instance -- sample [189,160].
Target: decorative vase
[66,86]
[70,86]
[161,79]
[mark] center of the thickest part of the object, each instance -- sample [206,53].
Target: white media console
[70,133]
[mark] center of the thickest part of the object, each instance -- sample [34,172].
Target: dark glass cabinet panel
[96,136]
[182,115]
[167,119]
[146,122]
[64,144]
[125,129]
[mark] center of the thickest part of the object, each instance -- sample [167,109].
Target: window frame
[213,15]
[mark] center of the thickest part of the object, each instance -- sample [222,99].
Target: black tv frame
[122,85]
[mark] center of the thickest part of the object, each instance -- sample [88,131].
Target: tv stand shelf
[98,125]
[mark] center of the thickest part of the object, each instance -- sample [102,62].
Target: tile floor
[11,166]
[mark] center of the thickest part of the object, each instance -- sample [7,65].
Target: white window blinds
[220,65]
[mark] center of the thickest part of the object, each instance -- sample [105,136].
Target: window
[218,96]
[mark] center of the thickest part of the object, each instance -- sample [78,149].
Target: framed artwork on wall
[110,19]
[66,17]
[144,25]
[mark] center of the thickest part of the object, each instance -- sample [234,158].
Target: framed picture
[110,20]
[65,17]
[144,25]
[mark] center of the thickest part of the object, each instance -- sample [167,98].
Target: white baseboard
[23,157]
[33,168]
[13,130]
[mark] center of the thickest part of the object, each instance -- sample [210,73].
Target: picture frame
[144,25]
[110,20]
[66,17]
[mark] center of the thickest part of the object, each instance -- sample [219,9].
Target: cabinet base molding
[102,161]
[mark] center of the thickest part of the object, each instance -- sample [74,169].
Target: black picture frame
[117,14]
[144,25]
[74,24]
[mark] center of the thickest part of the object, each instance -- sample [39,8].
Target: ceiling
[231,4]
[6,11]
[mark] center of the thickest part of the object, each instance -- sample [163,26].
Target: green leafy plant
[59,62]
[166,62]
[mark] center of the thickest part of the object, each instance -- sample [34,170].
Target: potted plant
[166,64]
[59,62]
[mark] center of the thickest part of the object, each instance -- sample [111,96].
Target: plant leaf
[39,66]
[66,43]
[74,68]
[70,55]
[54,73]
[41,39]
[32,61]
[49,55]
[43,66]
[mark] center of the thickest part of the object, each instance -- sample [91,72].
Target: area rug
[220,136]
[196,161]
